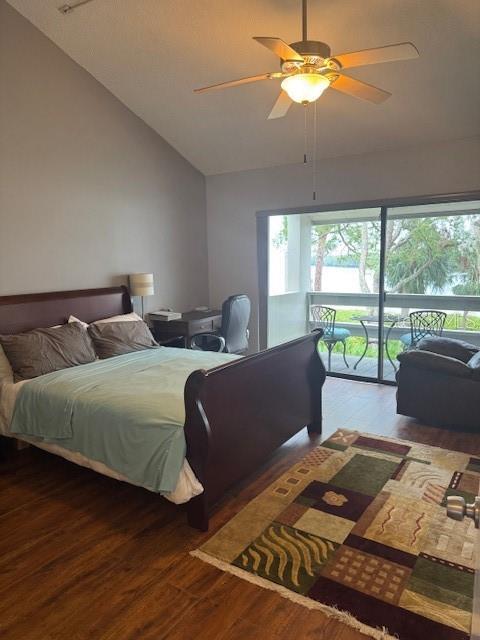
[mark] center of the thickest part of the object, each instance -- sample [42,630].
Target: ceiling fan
[307,69]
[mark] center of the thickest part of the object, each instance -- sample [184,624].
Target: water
[334,279]
[342,280]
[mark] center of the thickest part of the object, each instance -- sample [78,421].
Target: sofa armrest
[474,365]
[450,347]
[435,362]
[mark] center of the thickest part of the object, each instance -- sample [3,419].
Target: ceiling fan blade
[235,83]
[390,53]
[281,106]
[359,89]
[280,48]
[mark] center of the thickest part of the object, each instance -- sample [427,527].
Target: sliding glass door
[432,272]
[360,273]
[324,271]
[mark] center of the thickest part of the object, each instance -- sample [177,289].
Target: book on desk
[166,316]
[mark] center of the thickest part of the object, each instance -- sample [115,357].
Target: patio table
[390,320]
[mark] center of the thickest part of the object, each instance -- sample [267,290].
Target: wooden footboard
[237,414]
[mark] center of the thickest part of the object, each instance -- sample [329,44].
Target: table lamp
[141,284]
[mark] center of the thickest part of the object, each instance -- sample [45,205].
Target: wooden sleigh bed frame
[236,414]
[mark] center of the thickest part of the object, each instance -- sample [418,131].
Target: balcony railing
[398,301]
[289,313]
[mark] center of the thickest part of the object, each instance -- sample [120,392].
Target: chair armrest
[450,347]
[194,342]
[435,362]
[170,340]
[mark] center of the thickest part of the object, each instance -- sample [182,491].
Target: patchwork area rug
[358,529]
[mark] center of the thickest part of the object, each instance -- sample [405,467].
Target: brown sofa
[439,383]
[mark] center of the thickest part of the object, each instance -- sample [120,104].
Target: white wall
[234,198]
[287,317]
[88,192]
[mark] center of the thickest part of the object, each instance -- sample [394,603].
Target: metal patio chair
[428,322]
[324,318]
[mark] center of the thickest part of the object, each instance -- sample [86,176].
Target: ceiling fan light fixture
[305,87]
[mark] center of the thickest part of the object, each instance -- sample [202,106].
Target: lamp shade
[141,284]
[305,87]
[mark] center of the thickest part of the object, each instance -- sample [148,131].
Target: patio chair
[428,322]
[324,318]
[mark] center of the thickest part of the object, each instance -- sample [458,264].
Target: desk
[191,323]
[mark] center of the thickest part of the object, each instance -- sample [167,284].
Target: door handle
[457,509]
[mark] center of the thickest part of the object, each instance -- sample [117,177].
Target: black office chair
[233,335]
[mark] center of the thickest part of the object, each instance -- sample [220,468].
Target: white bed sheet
[187,487]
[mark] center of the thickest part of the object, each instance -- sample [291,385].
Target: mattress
[187,486]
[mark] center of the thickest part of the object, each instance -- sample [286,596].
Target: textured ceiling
[152,53]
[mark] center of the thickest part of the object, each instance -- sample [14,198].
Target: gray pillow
[117,338]
[448,347]
[41,351]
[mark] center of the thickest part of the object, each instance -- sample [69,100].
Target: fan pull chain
[314,152]
[305,135]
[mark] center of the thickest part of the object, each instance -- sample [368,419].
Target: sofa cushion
[337,334]
[435,362]
[406,339]
[449,347]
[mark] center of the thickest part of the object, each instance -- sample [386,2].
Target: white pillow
[126,317]
[74,319]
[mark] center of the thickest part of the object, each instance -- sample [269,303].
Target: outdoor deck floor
[367,367]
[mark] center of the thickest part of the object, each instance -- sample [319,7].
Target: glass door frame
[262,218]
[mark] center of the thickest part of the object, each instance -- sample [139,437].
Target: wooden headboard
[35,310]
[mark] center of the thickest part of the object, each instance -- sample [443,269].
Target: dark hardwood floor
[86,557]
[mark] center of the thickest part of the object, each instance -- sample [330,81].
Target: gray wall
[234,198]
[88,192]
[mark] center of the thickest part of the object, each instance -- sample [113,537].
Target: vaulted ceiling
[151,54]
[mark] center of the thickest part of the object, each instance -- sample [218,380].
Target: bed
[235,413]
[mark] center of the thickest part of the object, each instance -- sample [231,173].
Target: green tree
[470,262]
[323,242]
[469,276]
[425,257]
[282,236]
[421,253]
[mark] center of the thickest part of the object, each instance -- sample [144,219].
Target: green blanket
[127,412]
